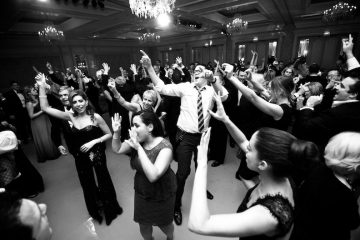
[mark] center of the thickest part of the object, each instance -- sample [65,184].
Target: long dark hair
[89,110]
[273,146]
[149,117]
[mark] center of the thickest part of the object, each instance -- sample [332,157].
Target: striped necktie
[201,122]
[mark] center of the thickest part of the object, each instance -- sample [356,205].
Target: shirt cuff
[352,63]
[311,108]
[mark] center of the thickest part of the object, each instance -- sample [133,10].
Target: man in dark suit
[344,115]
[17,111]
[64,126]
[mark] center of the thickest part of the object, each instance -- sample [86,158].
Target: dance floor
[70,220]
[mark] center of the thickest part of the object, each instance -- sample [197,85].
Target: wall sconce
[255,39]
[326,33]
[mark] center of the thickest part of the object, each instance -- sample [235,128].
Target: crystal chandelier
[237,25]
[339,11]
[149,37]
[151,8]
[50,34]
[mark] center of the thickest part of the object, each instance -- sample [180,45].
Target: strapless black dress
[98,188]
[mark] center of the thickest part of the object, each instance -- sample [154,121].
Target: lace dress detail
[279,207]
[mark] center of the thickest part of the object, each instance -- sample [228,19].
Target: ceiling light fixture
[163,20]
[50,34]
[339,11]
[237,25]
[149,37]
[151,8]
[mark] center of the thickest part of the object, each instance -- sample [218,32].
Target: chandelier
[237,25]
[149,37]
[339,11]
[50,34]
[151,8]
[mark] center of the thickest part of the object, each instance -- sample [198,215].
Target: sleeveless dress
[98,188]
[41,131]
[279,207]
[154,202]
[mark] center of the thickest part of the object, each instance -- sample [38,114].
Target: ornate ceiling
[115,21]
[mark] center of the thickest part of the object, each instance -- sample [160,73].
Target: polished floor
[69,218]
[67,211]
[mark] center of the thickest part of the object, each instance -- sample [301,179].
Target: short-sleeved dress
[279,207]
[154,202]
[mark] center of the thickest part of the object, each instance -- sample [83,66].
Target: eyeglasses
[331,76]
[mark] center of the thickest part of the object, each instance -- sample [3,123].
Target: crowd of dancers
[296,128]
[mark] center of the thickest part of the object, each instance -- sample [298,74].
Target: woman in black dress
[155,182]
[90,132]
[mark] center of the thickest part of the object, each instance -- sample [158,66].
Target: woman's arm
[254,221]
[40,78]
[132,107]
[30,110]
[271,109]
[154,171]
[106,130]
[116,145]
[234,131]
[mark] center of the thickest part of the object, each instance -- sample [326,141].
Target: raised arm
[146,62]
[348,46]
[116,145]
[266,107]
[132,107]
[234,131]
[254,221]
[40,78]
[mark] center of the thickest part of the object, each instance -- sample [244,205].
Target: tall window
[303,47]
[241,51]
[272,48]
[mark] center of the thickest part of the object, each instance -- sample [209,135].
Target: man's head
[333,75]
[158,63]
[15,85]
[22,218]
[64,92]
[120,80]
[348,89]
[314,68]
[199,76]
[157,69]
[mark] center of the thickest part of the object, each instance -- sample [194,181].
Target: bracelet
[101,140]
[117,96]
[42,96]
[115,137]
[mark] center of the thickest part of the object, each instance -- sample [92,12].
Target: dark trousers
[186,146]
[100,193]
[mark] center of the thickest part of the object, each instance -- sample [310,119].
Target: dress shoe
[178,217]
[216,164]
[209,195]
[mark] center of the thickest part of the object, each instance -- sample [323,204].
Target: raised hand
[216,62]
[145,60]
[40,79]
[116,122]
[220,112]
[203,147]
[112,84]
[209,76]
[348,45]
[179,61]
[228,69]
[106,68]
[132,141]
[312,101]
[133,68]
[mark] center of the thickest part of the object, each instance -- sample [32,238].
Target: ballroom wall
[17,56]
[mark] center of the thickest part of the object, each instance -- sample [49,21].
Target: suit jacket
[15,105]
[319,127]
